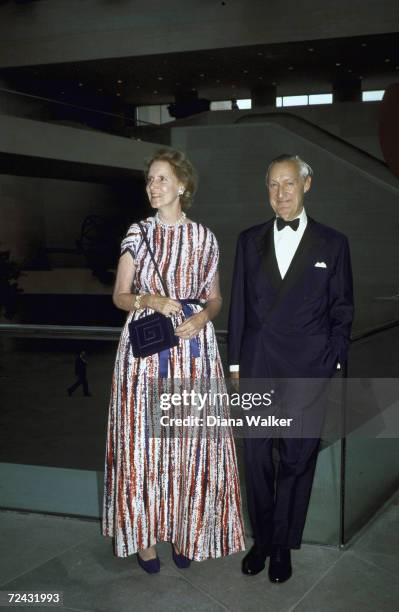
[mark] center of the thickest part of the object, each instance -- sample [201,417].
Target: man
[290,318]
[81,373]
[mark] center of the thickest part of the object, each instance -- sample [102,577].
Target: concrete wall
[347,194]
[355,122]
[36,139]
[51,31]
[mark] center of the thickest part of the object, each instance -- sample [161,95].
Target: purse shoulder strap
[144,234]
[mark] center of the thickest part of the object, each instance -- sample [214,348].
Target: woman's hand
[159,303]
[192,325]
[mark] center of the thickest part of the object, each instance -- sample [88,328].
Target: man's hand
[235,380]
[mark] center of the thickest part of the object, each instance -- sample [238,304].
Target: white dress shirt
[286,242]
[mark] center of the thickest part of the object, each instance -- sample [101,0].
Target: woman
[184,490]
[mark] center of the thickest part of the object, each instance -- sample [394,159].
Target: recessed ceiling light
[193,89]
[119,81]
[364,44]
[387,60]
[290,67]
[310,49]
[245,71]
[260,78]
[260,53]
[160,78]
[202,74]
[118,93]
[155,91]
[349,69]
[80,84]
[100,89]
[337,63]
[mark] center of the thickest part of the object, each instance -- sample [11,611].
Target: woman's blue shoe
[181,561]
[152,566]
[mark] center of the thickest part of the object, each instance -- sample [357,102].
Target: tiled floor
[44,553]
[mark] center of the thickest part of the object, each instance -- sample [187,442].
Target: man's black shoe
[253,562]
[280,568]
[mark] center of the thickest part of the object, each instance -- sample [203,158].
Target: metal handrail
[89,332]
[112,333]
[62,103]
[252,117]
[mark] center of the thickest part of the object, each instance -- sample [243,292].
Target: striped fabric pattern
[182,489]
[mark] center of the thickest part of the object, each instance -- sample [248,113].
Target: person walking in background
[81,373]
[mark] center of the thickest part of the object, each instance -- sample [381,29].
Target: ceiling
[218,74]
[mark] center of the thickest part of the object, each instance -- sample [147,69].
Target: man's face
[287,189]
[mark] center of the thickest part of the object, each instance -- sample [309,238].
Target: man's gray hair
[304,169]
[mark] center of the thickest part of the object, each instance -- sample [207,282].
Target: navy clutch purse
[152,334]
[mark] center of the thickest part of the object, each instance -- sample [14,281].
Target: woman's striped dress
[182,489]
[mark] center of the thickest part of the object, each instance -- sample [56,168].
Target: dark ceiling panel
[113,84]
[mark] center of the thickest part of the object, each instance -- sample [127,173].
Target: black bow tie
[281,224]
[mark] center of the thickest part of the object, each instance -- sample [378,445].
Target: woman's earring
[181,191]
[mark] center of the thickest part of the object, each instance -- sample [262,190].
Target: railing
[291,117]
[49,110]
[351,453]
[79,332]
[22,330]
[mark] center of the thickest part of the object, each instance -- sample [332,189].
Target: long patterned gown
[182,489]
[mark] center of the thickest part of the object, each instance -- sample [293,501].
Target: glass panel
[52,446]
[244,104]
[321,98]
[372,96]
[323,519]
[279,101]
[221,105]
[44,425]
[149,114]
[53,442]
[295,100]
[372,464]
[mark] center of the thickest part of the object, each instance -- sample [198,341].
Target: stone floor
[49,553]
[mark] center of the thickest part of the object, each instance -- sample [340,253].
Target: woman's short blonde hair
[183,170]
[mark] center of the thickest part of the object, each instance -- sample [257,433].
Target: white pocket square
[320,264]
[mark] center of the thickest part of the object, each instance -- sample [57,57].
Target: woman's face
[163,186]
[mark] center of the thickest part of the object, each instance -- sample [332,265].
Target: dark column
[188,103]
[263,95]
[347,89]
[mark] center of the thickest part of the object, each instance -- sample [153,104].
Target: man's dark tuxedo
[292,328]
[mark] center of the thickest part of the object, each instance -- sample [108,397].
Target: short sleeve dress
[178,489]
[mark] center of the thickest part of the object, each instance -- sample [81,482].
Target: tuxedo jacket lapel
[310,240]
[269,260]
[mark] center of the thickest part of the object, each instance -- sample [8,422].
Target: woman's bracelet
[137,302]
